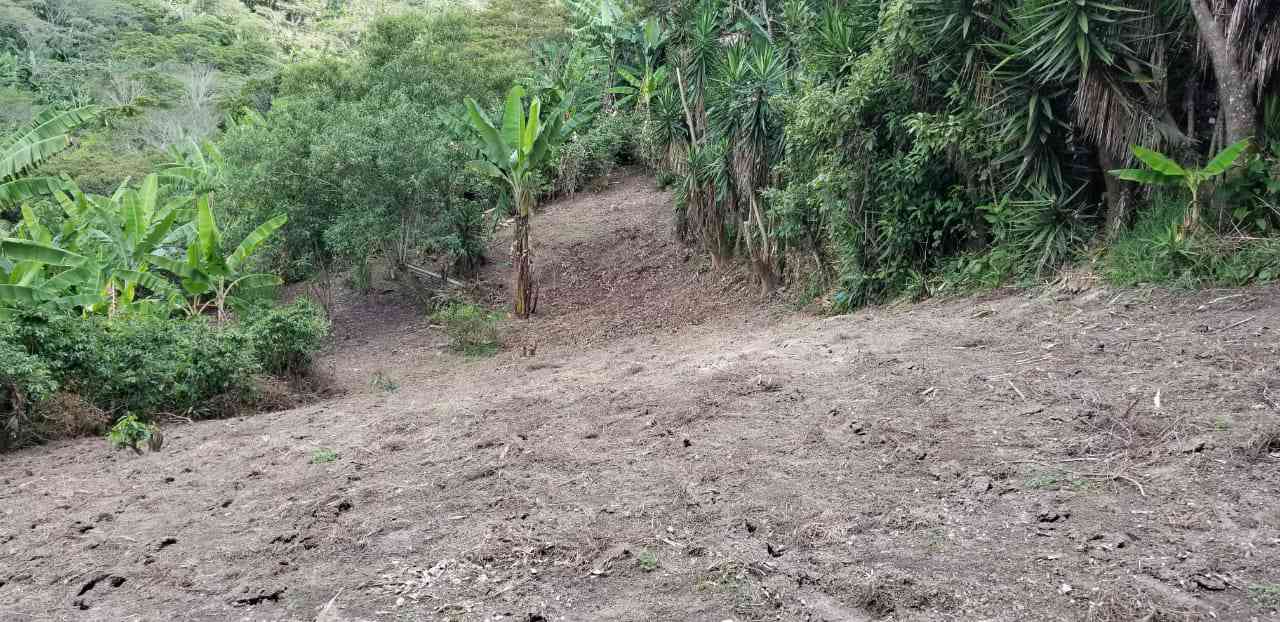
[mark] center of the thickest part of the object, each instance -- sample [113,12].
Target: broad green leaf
[532,127]
[208,238]
[488,133]
[513,117]
[179,269]
[1145,177]
[82,276]
[25,189]
[255,239]
[1226,159]
[19,294]
[80,300]
[1159,162]
[26,250]
[145,279]
[486,167]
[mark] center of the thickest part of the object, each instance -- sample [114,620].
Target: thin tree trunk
[1234,95]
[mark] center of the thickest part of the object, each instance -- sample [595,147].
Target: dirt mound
[1111,456]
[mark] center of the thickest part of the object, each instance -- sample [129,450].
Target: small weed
[1056,480]
[323,455]
[131,433]
[647,561]
[937,539]
[384,383]
[1222,423]
[1265,595]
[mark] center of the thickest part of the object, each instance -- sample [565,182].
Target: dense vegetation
[167,164]
[903,146]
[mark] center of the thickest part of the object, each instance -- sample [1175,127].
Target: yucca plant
[754,76]
[513,153]
[1164,171]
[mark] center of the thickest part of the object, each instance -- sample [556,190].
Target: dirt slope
[672,454]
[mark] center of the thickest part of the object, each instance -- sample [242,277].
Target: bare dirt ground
[677,451]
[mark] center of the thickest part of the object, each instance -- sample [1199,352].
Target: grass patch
[323,455]
[1152,252]
[1265,595]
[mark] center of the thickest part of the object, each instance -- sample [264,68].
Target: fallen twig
[1244,321]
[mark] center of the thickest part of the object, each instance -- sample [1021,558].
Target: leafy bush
[596,151]
[25,381]
[472,329]
[144,364]
[285,338]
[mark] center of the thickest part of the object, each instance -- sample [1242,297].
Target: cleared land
[675,451]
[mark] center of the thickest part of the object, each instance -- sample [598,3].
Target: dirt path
[675,455]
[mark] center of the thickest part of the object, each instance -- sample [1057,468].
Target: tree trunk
[1234,95]
[523,288]
[1118,196]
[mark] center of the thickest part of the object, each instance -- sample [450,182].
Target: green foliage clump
[25,381]
[1156,251]
[286,338]
[596,151]
[129,432]
[145,364]
[471,328]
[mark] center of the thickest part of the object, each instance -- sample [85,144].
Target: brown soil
[677,451]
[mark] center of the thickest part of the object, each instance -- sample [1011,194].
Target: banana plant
[514,153]
[121,232]
[211,279]
[37,275]
[46,136]
[41,270]
[1165,172]
[641,85]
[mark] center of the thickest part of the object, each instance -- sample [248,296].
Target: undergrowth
[472,329]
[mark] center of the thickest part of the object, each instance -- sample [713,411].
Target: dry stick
[1244,321]
[1011,386]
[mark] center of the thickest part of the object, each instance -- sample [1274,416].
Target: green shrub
[596,151]
[144,364]
[472,329]
[25,381]
[286,338]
